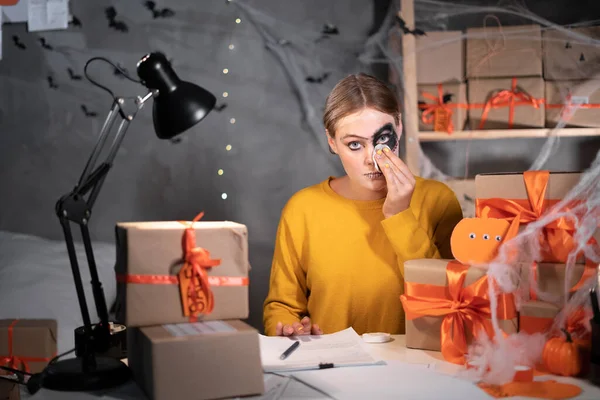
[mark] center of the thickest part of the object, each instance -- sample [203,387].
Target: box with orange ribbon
[442,107]
[447,305]
[27,344]
[506,103]
[571,53]
[9,390]
[538,317]
[531,194]
[551,278]
[181,271]
[575,102]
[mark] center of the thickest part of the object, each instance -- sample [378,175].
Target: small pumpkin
[563,355]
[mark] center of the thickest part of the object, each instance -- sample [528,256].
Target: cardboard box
[571,54]
[525,114]
[33,342]
[201,361]
[551,277]
[511,186]
[9,390]
[424,332]
[507,51]
[440,57]
[537,316]
[453,94]
[146,249]
[586,94]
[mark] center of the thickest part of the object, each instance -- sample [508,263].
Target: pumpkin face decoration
[564,356]
[477,240]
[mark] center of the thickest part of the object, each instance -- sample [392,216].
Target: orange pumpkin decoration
[564,356]
[477,240]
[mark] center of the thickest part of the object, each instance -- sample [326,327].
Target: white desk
[285,388]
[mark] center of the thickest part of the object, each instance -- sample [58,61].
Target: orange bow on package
[165,277]
[556,238]
[447,301]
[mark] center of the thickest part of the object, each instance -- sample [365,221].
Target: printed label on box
[198,328]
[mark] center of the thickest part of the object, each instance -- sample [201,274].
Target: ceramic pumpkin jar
[565,356]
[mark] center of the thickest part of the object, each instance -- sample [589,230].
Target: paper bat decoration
[318,79]
[157,12]
[73,75]
[45,44]
[406,30]
[18,43]
[87,112]
[76,22]
[477,240]
[111,15]
[51,82]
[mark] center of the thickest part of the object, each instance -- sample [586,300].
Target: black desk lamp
[178,105]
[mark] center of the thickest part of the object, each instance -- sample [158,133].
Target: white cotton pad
[377,148]
[376,337]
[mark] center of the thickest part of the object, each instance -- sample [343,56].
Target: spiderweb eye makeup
[384,137]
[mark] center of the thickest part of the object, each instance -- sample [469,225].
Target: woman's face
[355,138]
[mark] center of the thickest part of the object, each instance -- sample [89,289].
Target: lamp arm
[73,207]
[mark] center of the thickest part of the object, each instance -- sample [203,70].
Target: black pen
[290,350]
[595,308]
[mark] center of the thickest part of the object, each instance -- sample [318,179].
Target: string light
[220,172]
[224,196]
[231,47]
[228,147]
[225,71]
[225,94]
[232,121]
[237,20]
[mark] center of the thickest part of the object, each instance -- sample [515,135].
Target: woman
[341,244]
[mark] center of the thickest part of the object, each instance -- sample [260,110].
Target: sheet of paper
[343,348]
[16,13]
[392,381]
[44,15]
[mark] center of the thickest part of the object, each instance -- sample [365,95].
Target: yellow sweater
[340,262]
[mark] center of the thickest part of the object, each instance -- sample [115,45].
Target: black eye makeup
[386,135]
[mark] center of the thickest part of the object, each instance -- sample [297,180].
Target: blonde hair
[356,92]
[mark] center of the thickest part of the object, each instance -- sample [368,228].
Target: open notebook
[340,349]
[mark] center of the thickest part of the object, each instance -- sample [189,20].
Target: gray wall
[45,137]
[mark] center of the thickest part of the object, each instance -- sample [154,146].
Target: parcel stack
[182,291]
[571,59]
[529,196]
[504,73]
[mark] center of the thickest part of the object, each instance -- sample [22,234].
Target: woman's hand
[400,182]
[298,328]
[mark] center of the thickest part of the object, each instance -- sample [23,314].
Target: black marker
[289,351]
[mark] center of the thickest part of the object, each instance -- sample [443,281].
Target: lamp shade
[179,105]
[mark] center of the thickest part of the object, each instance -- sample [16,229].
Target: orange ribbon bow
[462,308]
[508,98]
[438,113]
[556,237]
[196,294]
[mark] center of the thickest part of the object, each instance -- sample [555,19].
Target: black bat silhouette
[45,44]
[51,82]
[88,113]
[221,107]
[111,14]
[158,13]
[330,29]
[447,98]
[76,22]
[18,43]
[73,75]
[406,30]
[318,79]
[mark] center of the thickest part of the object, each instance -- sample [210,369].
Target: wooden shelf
[488,134]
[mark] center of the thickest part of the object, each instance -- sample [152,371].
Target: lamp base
[70,375]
